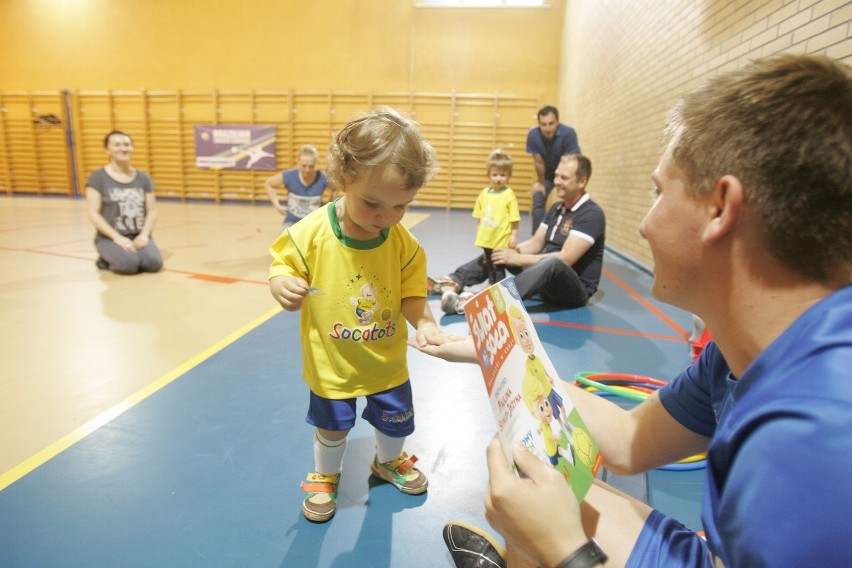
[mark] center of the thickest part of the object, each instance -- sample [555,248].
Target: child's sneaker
[321,501]
[452,303]
[401,473]
[441,285]
[101,263]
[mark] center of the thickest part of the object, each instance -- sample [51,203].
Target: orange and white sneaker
[440,285]
[320,502]
[401,473]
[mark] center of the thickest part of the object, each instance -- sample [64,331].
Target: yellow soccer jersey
[352,328]
[496,211]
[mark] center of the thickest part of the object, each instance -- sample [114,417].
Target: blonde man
[751,229]
[305,187]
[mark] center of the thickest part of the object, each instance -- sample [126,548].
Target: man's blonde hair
[783,127]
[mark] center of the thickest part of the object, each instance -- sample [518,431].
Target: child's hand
[428,333]
[289,291]
[513,242]
[459,350]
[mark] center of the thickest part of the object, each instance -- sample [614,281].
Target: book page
[527,397]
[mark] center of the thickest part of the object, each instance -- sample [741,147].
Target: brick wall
[624,63]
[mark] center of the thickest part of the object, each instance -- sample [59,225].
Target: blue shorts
[666,543]
[391,412]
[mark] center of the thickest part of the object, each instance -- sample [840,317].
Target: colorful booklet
[527,396]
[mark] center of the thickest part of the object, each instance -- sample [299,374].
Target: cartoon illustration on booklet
[526,394]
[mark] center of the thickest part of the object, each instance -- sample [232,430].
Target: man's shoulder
[566,138]
[592,204]
[534,136]
[564,128]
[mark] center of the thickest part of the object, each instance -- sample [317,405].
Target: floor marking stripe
[611,330]
[650,307]
[679,338]
[413,219]
[196,275]
[54,449]
[213,278]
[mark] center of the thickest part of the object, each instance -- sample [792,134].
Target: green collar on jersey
[349,241]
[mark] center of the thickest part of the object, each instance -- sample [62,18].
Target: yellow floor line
[412,219]
[105,417]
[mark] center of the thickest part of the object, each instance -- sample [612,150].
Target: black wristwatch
[590,554]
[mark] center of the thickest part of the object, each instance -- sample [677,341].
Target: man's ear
[724,206]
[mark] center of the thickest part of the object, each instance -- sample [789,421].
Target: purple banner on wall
[235,147]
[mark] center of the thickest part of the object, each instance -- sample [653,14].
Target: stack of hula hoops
[636,388]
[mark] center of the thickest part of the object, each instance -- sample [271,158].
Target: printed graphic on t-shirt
[131,208]
[301,205]
[489,220]
[373,313]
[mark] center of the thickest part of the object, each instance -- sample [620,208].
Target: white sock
[388,448]
[328,454]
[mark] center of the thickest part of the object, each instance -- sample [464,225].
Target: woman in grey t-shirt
[121,205]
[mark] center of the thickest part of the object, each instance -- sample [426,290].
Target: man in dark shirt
[563,259]
[547,143]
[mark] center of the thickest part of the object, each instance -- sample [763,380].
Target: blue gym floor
[206,470]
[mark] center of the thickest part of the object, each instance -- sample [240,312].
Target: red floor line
[611,330]
[48,253]
[651,308]
[681,339]
[214,278]
[196,275]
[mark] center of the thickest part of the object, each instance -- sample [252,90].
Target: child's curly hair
[381,137]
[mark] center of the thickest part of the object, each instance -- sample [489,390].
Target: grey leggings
[123,261]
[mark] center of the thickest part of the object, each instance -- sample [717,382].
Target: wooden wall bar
[41,155]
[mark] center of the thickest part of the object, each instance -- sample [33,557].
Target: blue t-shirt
[778,488]
[551,151]
[301,198]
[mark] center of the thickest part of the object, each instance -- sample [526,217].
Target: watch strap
[590,554]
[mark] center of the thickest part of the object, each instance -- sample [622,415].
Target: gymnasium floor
[158,420]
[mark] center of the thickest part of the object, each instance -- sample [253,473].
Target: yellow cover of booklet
[527,396]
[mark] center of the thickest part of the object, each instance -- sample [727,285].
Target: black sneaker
[102,264]
[471,547]
[452,303]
